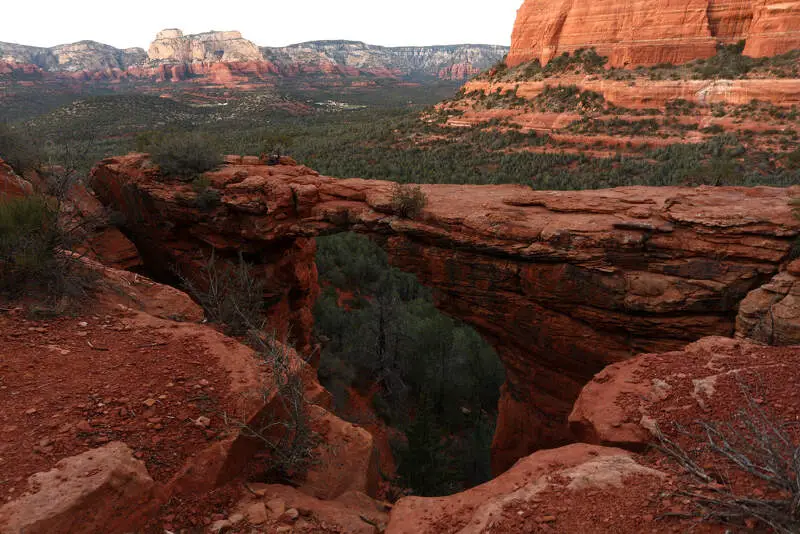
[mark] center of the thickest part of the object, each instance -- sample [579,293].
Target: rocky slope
[647,32]
[173,49]
[562,283]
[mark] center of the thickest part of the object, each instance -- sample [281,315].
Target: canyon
[561,283]
[173,56]
[646,32]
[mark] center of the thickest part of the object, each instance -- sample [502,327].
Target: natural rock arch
[561,283]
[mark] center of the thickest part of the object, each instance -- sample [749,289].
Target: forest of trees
[437,380]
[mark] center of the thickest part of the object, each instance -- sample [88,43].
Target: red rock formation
[11,185]
[101,490]
[705,380]
[521,500]
[775,28]
[771,313]
[655,94]
[562,283]
[648,32]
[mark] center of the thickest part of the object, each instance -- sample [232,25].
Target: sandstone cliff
[84,55]
[648,32]
[196,54]
[450,62]
[562,283]
[173,46]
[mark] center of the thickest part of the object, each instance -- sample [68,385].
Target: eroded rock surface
[11,185]
[568,471]
[771,313]
[562,283]
[648,32]
[708,380]
[101,490]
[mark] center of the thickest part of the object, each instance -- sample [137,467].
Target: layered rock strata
[561,283]
[180,56]
[648,32]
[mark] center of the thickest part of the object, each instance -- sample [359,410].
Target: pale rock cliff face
[84,55]
[172,56]
[648,32]
[172,46]
[451,62]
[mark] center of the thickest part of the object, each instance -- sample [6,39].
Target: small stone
[283,529]
[220,525]
[290,516]
[203,421]
[83,324]
[546,519]
[256,513]
[149,403]
[204,382]
[83,426]
[236,518]
[31,411]
[258,489]
[276,506]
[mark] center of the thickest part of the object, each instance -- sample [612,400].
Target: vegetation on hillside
[437,380]
[728,63]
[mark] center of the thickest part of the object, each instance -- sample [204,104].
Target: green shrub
[794,252]
[20,149]
[408,201]
[184,156]
[563,98]
[33,262]
[207,198]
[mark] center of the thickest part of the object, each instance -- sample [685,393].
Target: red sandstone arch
[562,283]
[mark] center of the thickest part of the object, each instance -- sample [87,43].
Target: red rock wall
[648,32]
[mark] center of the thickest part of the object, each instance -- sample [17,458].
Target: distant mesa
[173,54]
[648,32]
[172,45]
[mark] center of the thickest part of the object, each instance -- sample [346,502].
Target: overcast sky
[265,22]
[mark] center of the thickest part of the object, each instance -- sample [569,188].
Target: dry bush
[234,297]
[229,293]
[747,468]
[285,429]
[408,200]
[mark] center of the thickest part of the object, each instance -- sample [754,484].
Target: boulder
[345,459]
[771,313]
[11,185]
[101,490]
[566,473]
[710,380]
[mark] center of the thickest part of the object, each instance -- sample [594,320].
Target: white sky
[266,22]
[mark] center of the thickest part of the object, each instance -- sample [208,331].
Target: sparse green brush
[20,148]
[207,198]
[33,258]
[408,200]
[563,98]
[794,252]
[184,156]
